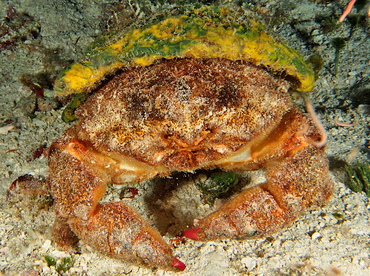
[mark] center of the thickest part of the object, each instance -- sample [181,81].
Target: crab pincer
[296,182]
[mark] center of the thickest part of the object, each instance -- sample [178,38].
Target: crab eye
[167,135]
[209,130]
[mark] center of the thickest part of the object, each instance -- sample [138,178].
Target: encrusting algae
[205,32]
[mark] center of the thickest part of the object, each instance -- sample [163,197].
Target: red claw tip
[177,263]
[192,233]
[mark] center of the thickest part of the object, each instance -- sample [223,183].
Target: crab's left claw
[194,233]
[296,180]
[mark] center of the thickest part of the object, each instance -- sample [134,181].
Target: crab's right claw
[78,181]
[177,263]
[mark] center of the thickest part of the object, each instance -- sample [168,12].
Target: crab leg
[296,182]
[113,228]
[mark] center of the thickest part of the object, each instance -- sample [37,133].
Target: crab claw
[177,263]
[194,233]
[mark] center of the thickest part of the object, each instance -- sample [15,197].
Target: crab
[184,112]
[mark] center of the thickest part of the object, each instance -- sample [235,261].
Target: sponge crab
[192,93]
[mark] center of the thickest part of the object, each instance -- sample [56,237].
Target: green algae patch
[359,178]
[216,185]
[207,32]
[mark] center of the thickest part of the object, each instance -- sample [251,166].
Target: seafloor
[39,38]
